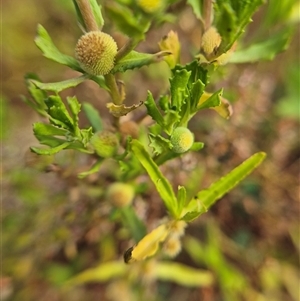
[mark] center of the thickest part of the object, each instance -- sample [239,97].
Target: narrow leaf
[95,168]
[137,60]
[93,116]
[162,185]
[207,197]
[50,151]
[153,110]
[48,129]
[44,42]
[60,86]
[183,275]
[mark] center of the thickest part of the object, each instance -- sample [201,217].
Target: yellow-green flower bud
[105,144]
[96,51]
[211,41]
[120,194]
[150,6]
[182,139]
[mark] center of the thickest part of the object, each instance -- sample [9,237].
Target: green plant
[171,114]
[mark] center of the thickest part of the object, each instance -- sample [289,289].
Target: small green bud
[120,194]
[105,144]
[182,139]
[96,51]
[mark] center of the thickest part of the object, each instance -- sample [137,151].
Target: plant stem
[207,7]
[87,15]
[125,49]
[114,90]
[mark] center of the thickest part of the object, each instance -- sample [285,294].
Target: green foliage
[141,150]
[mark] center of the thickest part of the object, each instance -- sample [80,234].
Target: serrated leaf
[45,44]
[50,151]
[48,140]
[74,106]
[93,116]
[121,110]
[58,113]
[159,144]
[265,50]
[196,92]
[137,60]
[207,197]
[85,136]
[231,17]
[179,88]
[162,185]
[60,86]
[183,275]
[153,110]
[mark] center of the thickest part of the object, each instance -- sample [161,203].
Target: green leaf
[74,106]
[197,146]
[181,197]
[58,113]
[104,272]
[265,50]
[85,136]
[44,42]
[153,110]
[162,185]
[131,220]
[230,19]
[126,21]
[196,92]
[197,7]
[137,60]
[100,81]
[159,144]
[207,197]
[179,88]
[93,116]
[183,275]
[60,86]
[213,101]
[48,130]
[95,168]
[50,151]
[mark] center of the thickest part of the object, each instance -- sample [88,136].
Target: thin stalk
[125,49]
[113,87]
[87,15]
[207,8]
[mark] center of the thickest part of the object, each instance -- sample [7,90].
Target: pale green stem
[114,90]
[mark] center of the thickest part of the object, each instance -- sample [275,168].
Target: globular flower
[96,51]
[105,144]
[150,6]
[181,139]
[211,40]
[120,194]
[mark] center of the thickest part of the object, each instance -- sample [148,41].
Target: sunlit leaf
[93,116]
[60,86]
[207,197]
[44,42]
[137,60]
[162,185]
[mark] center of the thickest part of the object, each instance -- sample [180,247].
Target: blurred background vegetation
[55,225]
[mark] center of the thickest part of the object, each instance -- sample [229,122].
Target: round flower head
[105,144]
[96,51]
[211,41]
[120,194]
[182,139]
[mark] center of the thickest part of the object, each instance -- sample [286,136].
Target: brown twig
[87,15]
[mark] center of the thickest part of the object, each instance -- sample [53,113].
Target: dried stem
[87,15]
